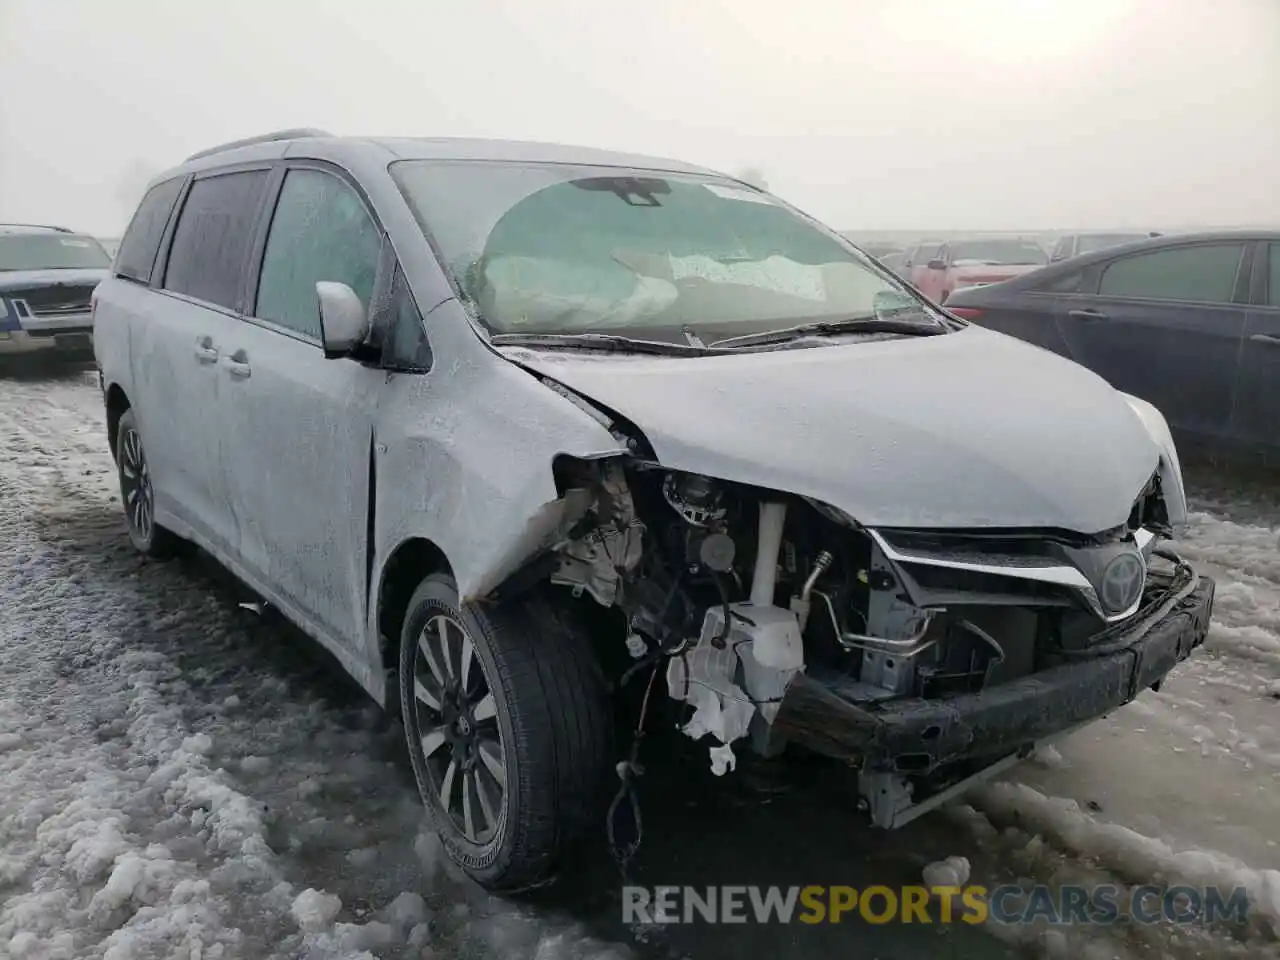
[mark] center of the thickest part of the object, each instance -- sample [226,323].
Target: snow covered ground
[180,778]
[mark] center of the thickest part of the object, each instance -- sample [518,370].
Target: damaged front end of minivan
[927,659]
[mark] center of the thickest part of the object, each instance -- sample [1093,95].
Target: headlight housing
[1175,494]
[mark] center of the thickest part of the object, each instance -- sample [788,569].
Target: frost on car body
[467,394]
[487,442]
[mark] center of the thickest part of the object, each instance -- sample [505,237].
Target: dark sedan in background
[1190,323]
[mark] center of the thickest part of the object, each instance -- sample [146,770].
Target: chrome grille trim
[1040,569]
[54,311]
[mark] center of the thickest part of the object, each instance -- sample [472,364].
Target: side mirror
[937,264]
[344,322]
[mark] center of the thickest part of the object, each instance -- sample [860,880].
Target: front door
[302,425]
[1165,325]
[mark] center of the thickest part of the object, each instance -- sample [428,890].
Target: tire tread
[562,725]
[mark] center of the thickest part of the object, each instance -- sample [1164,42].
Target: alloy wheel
[459,733]
[135,483]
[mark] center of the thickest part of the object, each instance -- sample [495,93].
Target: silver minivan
[439,401]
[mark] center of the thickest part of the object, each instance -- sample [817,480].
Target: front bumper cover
[73,342]
[916,737]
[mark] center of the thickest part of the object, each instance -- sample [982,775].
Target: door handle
[238,365]
[1089,315]
[1265,338]
[206,352]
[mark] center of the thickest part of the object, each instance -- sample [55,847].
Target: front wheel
[508,729]
[138,494]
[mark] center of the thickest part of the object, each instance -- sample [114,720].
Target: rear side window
[137,253]
[207,257]
[320,231]
[1273,275]
[1200,274]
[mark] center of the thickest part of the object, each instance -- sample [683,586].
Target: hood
[26,279]
[972,429]
[992,272]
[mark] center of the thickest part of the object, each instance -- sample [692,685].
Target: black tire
[137,495]
[551,717]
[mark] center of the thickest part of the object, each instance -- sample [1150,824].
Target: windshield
[50,251]
[556,248]
[997,251]
[1103,240]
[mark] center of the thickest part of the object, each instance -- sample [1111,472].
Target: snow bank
[1127,853]
[1245,560]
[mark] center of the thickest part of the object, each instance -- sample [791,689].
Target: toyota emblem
[1122,582]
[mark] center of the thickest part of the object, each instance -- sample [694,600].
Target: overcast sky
[870,114]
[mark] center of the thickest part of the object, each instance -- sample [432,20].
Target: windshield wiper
[868,324]
[602,341]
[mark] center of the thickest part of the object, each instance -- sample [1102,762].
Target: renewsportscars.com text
[1010,904]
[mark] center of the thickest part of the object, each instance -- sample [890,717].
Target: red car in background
[916,258]
[959,264]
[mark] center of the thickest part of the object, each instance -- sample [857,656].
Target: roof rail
[293,133]
[38,226]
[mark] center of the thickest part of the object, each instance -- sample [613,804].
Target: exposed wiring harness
[627,799]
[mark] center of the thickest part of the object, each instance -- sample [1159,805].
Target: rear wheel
[137,493]
[508,730]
